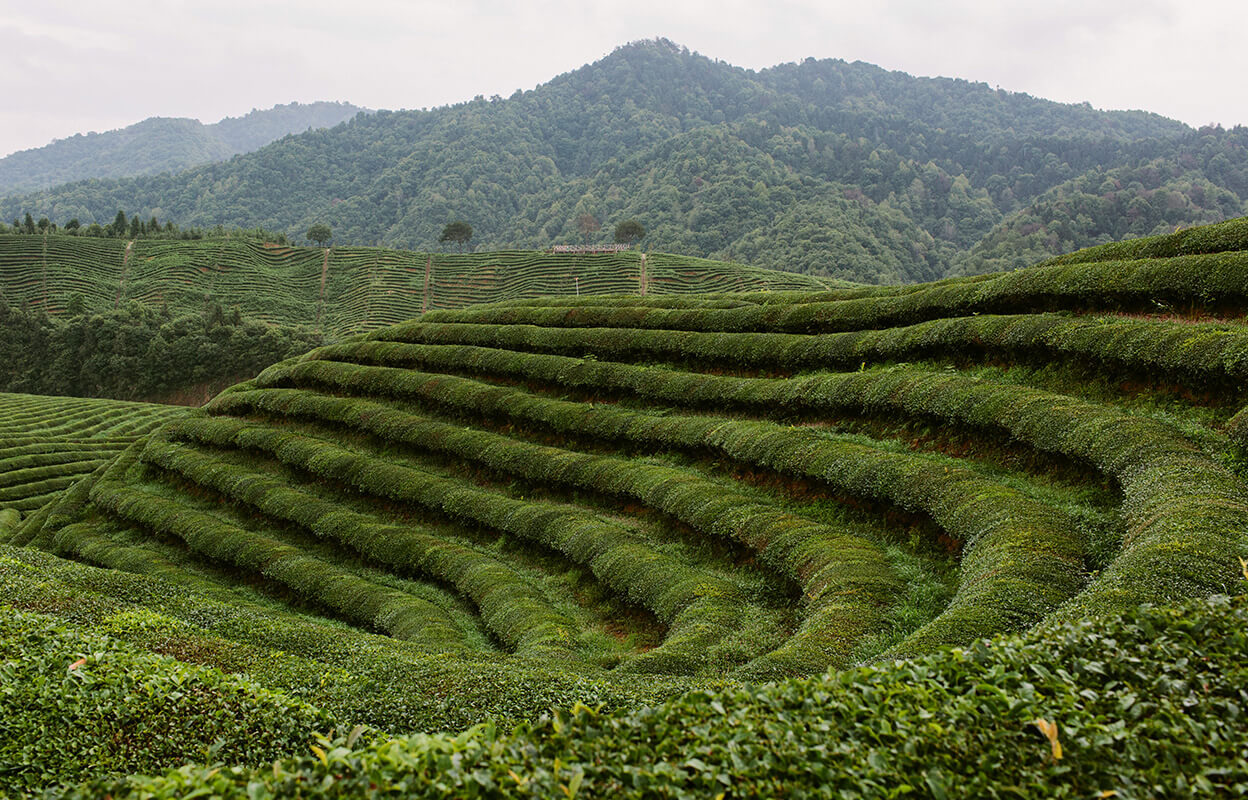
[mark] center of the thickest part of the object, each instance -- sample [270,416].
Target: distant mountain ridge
[161,144]
[824,167]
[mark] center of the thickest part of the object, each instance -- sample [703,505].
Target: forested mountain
[1196,184]
[161,144]
[822,167]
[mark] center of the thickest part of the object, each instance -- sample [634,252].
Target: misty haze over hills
[161,144]
[823,167]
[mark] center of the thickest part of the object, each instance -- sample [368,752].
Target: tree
[459,232]
[77,306]
[588,225]
[629,232]
[119,224]
[320,233]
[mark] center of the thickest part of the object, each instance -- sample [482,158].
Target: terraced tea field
[476,514]
[47,443]
[341,290]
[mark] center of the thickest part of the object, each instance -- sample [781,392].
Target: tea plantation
[985,537]
[48,443]
[338,290]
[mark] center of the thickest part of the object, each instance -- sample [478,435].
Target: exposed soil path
[424,301]
[320,300]
[121,282]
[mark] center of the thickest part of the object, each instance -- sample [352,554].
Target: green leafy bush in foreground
[1150,704]
[81,704]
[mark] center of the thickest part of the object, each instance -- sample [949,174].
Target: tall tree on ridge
[320,233]
[459,232]
[629,231]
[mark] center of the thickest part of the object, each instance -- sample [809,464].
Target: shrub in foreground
[1150,704]
[75,705]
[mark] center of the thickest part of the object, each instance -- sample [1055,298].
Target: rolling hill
[160,144]
[821,167]
[48,443]
[641,511]
[340,290]
[172,320]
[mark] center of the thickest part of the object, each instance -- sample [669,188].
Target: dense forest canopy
[137,352]
[161,144]
[822,167]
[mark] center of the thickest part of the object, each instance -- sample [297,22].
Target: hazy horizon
[225,58]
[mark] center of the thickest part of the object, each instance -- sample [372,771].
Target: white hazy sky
[72,66]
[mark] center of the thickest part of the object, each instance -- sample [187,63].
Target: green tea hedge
[76,703]
[1149,704]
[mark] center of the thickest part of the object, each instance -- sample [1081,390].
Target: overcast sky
[72,67]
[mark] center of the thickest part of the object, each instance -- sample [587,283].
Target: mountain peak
[161,144]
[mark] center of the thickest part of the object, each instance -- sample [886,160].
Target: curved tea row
[48,443]
[340,290]
[748,485]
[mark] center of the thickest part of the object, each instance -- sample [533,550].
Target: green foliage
[342,292]
[630,231]
[137,351]
[359,677]
[827,563]
[1227,236]
[458,232]
[319,233]
[48,443]
[356,598]
[138,229]
[1181,284]
[1016,563]
[1157,197]
[1237,428]
[820,167]
[76,704]
[160,144]
[1171,489]
[1147,704]
[513,611]
[473,515]
[1209,357]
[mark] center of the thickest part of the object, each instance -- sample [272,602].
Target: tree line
[122,227]
[629,232]
[138,351]
[134,227]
